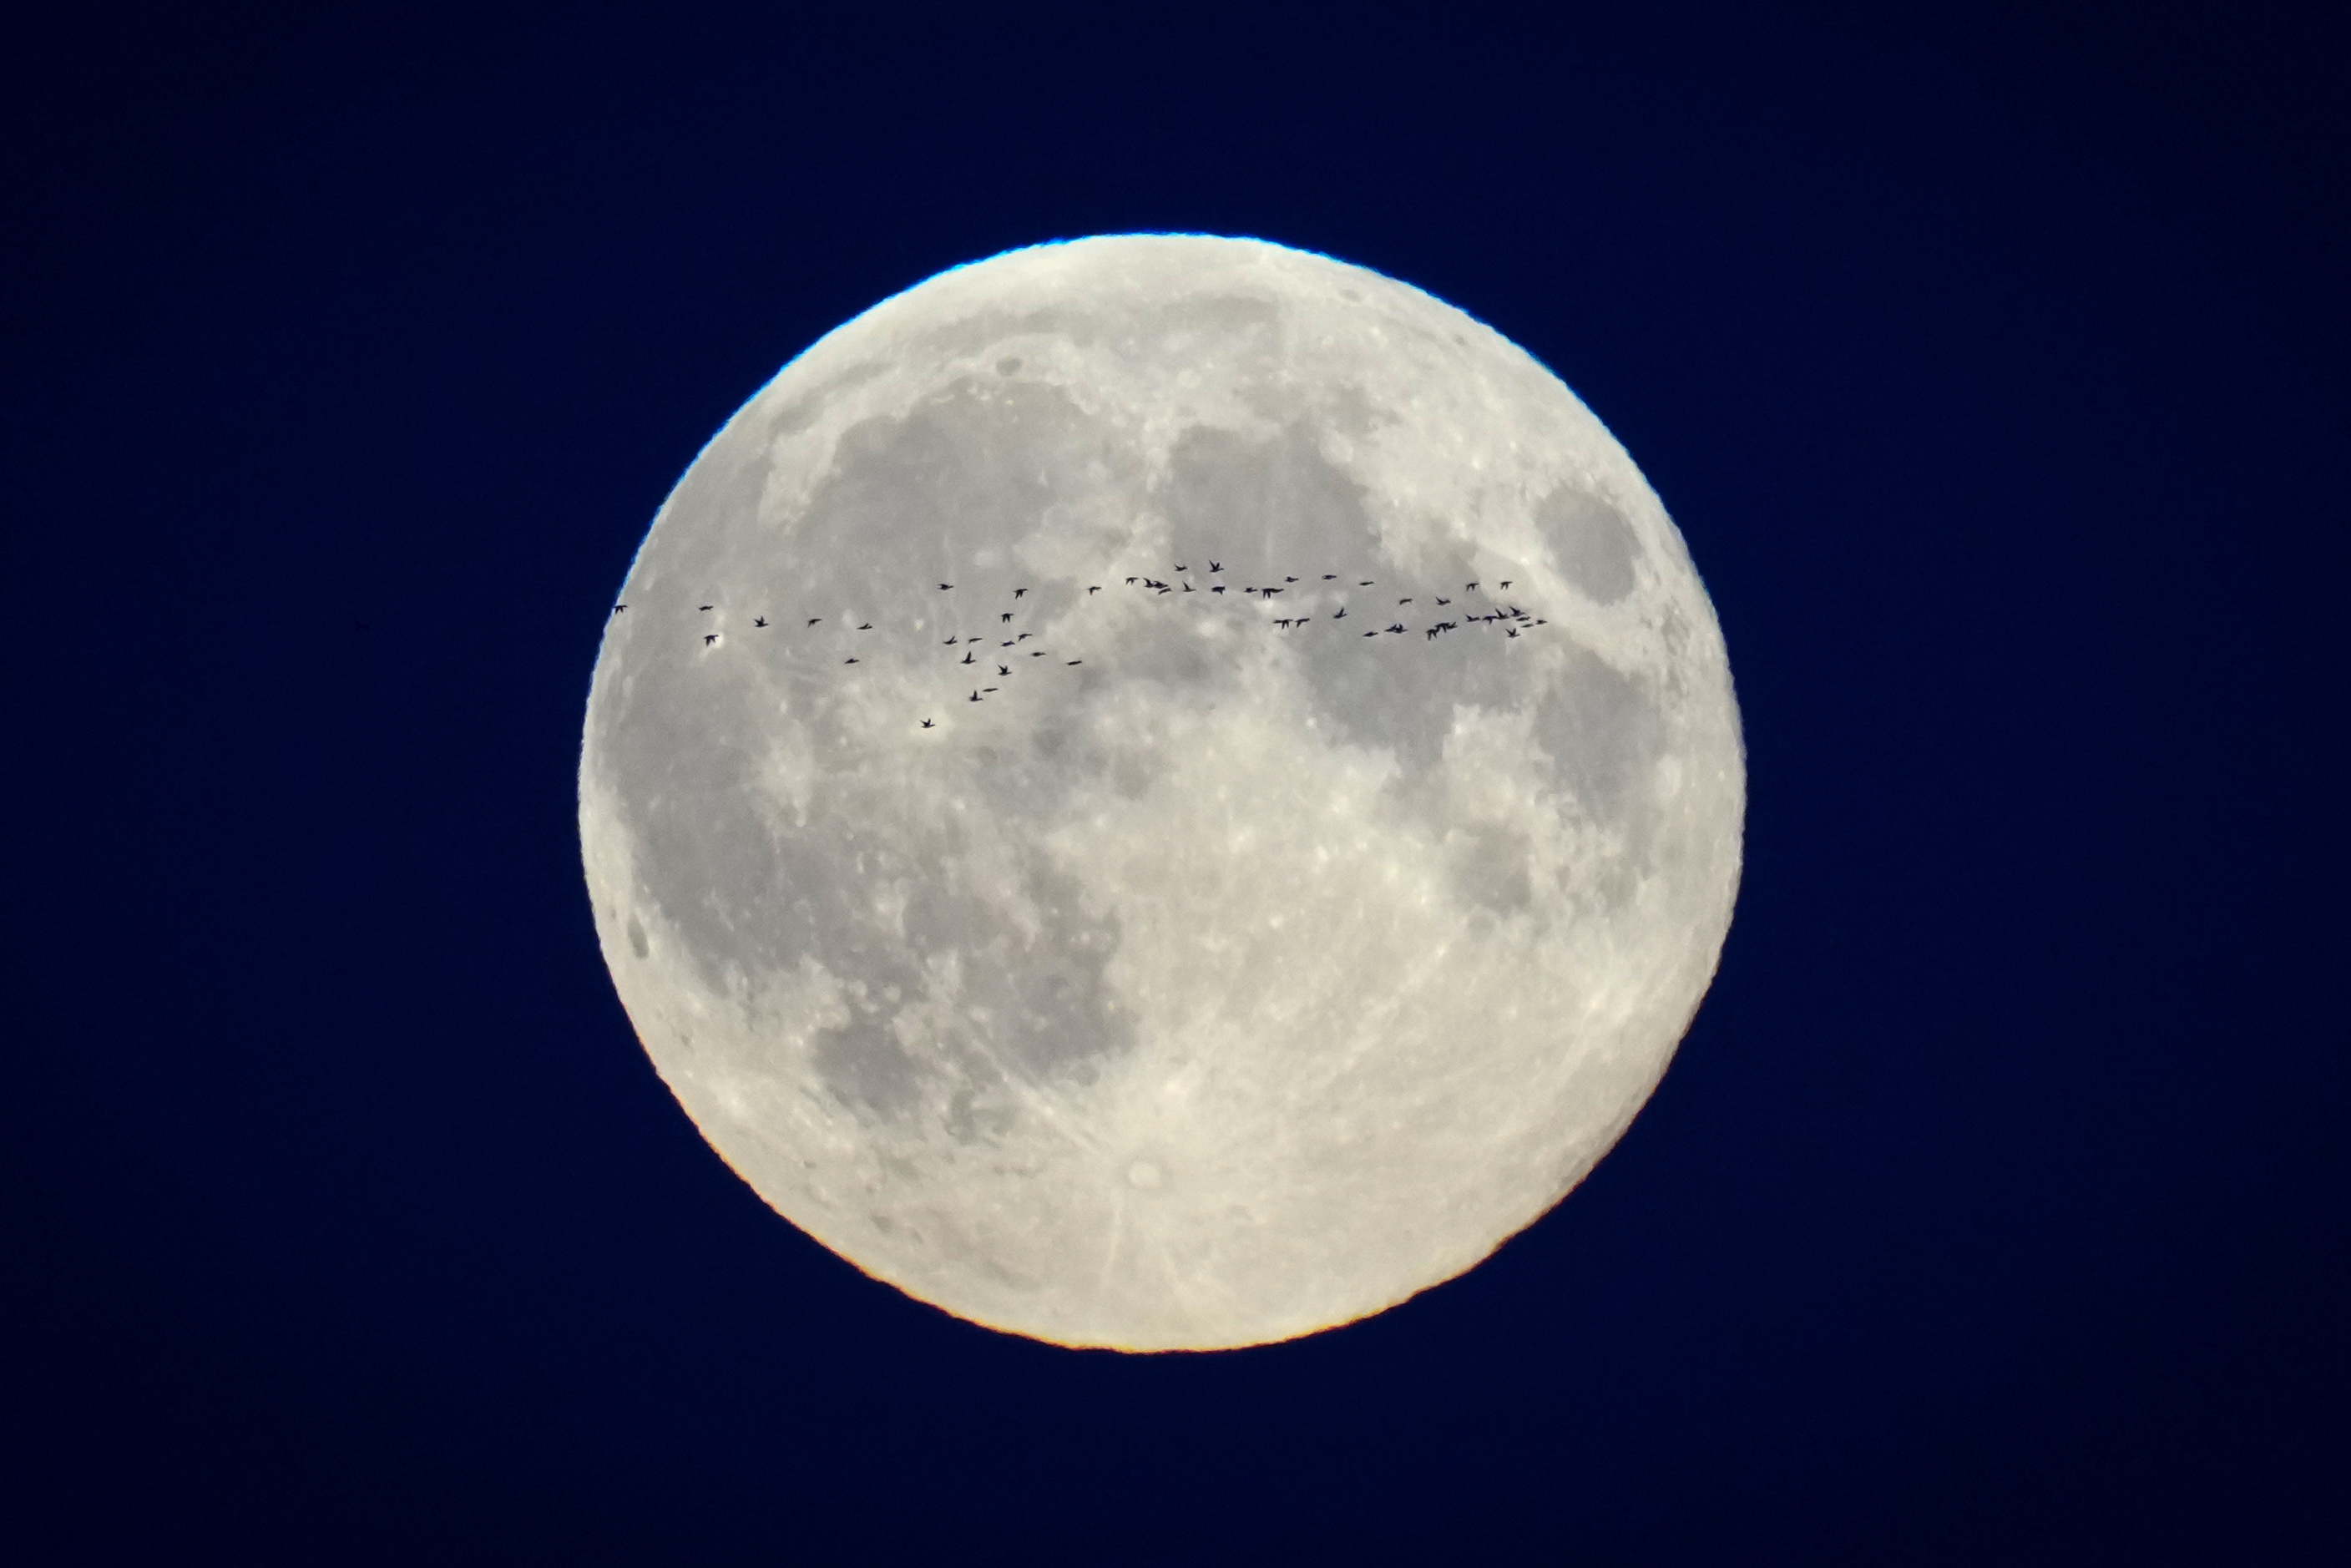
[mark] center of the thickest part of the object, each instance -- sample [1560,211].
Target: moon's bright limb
[1239,967]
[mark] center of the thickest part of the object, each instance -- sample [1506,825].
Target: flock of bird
[1501,614]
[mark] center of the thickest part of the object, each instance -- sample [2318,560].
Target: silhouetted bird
[1008,644]
[1432,633]
[1187,588]
[1005,619]
[1371,633]
[1362,585]
[1130,582]
[1444,601]
[1329,577]
[759,621]
[1181,567]
[1397,627]
[1303,620]
[943,588]
[1216,588]
[709,639]
[849,661]
[618,608]
[1002,671]
[1506,582]
[1215,566]
[1284,624]
[1290,580]
[1403,601]
[1075,661]
[1510,630]
[1341,615]
[1270,592]
[710,607]
[1094,589]
[1024,637]
[1035,652]
[814,619]
[967,658]
[926,724]
[1470,586]
[1019,591]
[975,696]
[987,688]
[949,643]
[1164,589]
[867,626]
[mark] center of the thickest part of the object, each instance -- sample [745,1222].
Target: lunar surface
[1161,792]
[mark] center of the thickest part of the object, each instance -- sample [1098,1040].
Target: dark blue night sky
[1993,368]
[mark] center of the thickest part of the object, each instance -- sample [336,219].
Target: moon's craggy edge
[1361,952]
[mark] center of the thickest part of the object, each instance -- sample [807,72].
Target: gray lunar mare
[1229,982]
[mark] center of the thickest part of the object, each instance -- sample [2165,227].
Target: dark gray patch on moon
[1398,691]
[1604,735]
[1594,544]
[864,1067]
[976,466]
[1488,868]
[1275,507]
[1266,505]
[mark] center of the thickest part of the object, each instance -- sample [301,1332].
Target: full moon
[1162,791]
